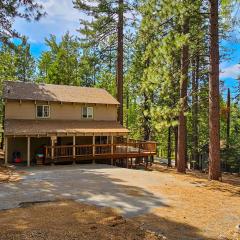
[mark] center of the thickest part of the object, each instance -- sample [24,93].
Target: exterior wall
[65,111]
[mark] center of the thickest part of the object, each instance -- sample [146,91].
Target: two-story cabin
[67,121]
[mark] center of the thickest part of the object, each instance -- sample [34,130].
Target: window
[43,111]
[87,112]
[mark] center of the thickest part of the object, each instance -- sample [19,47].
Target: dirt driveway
[178,206]
[123,189]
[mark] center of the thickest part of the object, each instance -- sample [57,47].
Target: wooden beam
[52,149]
[28,151]
[6,150]
[93,148]
[74,147]
[112,149]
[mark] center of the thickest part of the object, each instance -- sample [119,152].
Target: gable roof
[17,90]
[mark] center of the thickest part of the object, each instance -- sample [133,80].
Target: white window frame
[43,106]
[88,117]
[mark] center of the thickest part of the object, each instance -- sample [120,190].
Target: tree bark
[214,123]
[176,144]
[120,61]
[169,150]
[182,128]
[195,85]
[228,117]
[146,118]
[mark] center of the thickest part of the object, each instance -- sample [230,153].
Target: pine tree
[105,33]
[24,62]
[61,64]
[214,121]
[10,10]
[182,128]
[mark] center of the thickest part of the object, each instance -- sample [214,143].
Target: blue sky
[62,17]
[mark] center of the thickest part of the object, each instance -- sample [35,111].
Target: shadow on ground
[91,184]
[71,220]
[84,184]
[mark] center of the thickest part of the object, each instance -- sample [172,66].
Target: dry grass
[197,208]
[68,220]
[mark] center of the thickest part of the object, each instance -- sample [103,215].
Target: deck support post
[52,149]
[74,149]
[112,149]
[93,150]
[28,151]
[6,150]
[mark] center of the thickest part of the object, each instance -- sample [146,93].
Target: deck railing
[127,149]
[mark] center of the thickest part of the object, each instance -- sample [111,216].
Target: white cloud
[60,9]
[61,17]
[230,71]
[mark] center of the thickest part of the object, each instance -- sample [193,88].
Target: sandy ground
[177,206]
[68,220]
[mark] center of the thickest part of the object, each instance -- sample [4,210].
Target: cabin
[48,124]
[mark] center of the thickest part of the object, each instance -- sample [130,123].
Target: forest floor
[68,220]
[180,207]
[212,208]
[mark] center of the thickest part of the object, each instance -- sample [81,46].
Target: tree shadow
[53,220]
[82,184]
[91,184]
[173,230]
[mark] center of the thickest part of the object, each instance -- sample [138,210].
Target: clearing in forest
[169,204]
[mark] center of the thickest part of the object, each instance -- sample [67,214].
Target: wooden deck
[125,153]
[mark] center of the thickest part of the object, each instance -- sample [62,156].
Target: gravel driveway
[127,190]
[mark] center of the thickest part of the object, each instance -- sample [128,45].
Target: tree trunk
[146,118]
[120,61]
[169,150]
[182,128]
[176,144]
[127,109]
[214,123]
[228,117]
[195,85]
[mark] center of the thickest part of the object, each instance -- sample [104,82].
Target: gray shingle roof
[43,127]
[56,93]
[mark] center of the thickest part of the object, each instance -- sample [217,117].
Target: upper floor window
[87,112]
[43,111]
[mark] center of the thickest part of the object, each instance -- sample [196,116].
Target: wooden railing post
[52,149]
[112,149]
[6,150]
[93,149]
[74,146]
[28,151]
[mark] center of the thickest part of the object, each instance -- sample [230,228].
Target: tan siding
[15,110]
[68,111]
